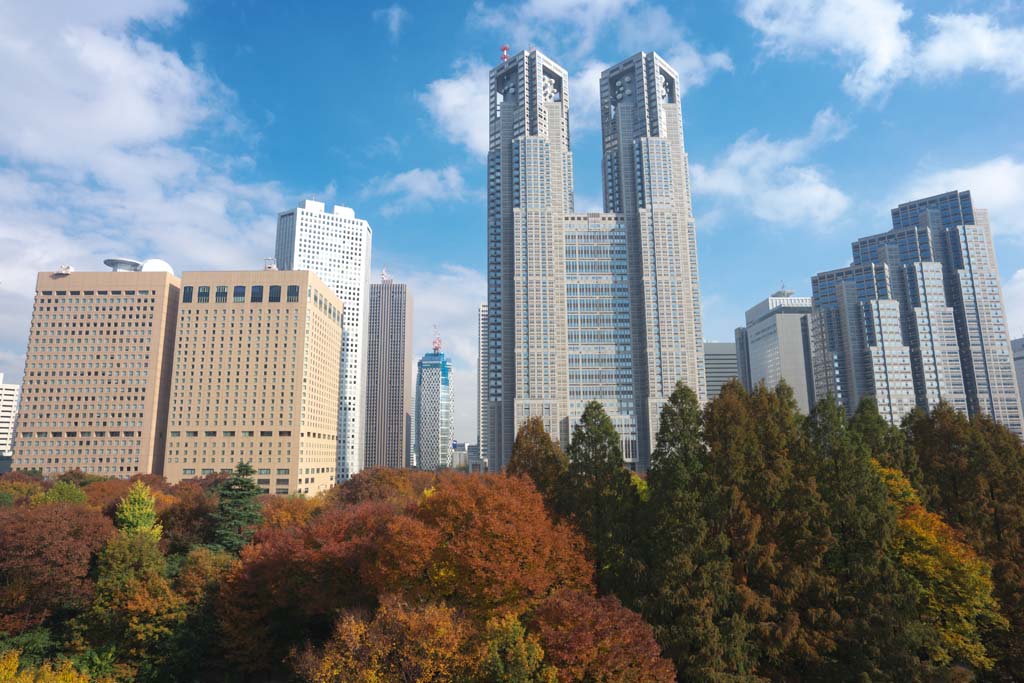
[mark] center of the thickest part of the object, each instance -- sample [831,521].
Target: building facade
[1017,345]
[482,380]
[774,345]
[336,246]
[598,306]
[388,374]
[434,413]
[97,372]
[720,366]
[257,378]
[918,318]
[8,415]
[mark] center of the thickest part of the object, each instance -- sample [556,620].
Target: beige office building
[96,382]
[257,371]
[8,415]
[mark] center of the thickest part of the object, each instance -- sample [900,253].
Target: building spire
[437,341]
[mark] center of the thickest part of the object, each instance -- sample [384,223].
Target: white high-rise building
[336,246]
[434,411]
[481,379]
[596,306]
[8,415]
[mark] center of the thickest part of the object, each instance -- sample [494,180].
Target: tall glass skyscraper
[432,440]
[598,306]
[918,318]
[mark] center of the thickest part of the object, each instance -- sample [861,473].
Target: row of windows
[238,294]
[228,433]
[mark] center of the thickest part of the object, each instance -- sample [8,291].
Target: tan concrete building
[257,371]
[97,373]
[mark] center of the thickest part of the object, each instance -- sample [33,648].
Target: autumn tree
[238,510]
[537,456]
[599,497]
[136,513]
[47,551]
[399,486]
[61,492]
[189,520]
[512,655]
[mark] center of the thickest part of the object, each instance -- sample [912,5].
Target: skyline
[188,140]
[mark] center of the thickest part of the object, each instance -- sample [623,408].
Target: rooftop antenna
[437,341]
[385,276]
[504,53]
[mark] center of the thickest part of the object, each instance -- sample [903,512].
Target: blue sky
[160,128]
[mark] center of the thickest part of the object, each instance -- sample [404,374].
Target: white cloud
[972,41]
[866,33]
[93,154]
[995,185]
[417,187]
[585,96]
[769,179]
[393,17]
[449,298]
[459,106]
[869,35]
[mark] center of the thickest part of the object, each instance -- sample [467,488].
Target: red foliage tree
[45,555]
[598,640]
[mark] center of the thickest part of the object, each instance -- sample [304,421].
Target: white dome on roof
[156,265]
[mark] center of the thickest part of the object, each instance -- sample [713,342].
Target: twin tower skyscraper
[587,306]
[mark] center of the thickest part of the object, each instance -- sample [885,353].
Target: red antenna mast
[504,53]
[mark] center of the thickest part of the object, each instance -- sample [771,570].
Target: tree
[951,585]
[189,520]
[401,487]
[136,513]
[599,497]
[238,511]
[45,561]
[597,639]
[12,670]
[536,456]
[511,655]
[61,492]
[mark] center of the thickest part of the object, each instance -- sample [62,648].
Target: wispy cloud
[772,180]
[458,105]
[393,17]
[418,187]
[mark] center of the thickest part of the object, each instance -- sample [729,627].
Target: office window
[222,294]
[239,296]
[293,293]
[186,295]
[256,294]
[188,470]
[204,295]
[275,294]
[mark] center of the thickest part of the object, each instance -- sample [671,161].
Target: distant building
[388,374]
[97,371]
[257,378]
[720,364]
[460,456]
[8,415]
[774,345]
[433,432]
[475,463]
[336,246]
[918,318]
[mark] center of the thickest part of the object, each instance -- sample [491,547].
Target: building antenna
[437,341]
[504,53]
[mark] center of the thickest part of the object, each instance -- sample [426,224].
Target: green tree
[512,655]
[538,457]
[61,492]
[599,497]
[886,444]
[136,513]
[238,510]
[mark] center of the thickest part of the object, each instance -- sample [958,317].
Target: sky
[178,130]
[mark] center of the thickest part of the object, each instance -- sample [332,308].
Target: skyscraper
[388,374]
[775,345]
[481,380]
[257,373]
[721,366]
[8,415]
[97,371]
[918,318]
[434,398]
[336,246]
[1018,364]
[601,306]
